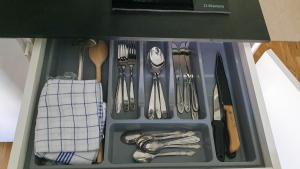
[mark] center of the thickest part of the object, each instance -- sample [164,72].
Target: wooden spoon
[98,55]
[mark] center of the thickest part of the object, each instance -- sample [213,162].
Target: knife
[179,78]
[193,95]
[226,105]
[186,75]
[218,127]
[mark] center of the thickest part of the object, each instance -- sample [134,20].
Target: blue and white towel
[70,121]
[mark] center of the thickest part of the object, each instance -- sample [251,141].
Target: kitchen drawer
[51,58]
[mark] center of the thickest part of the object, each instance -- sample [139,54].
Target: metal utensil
[157,62]
[122,101]
[218,127]
[227,107]
[84,45]
[194,96]
[143,157]
[179,141]
[151,109]
[131,137]
[179,78]
[131,63]
[186,77]
[146,138]
[124,62]
[154,146]
[190,93]
[195,107]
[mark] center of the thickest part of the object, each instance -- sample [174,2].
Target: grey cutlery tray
[61,56]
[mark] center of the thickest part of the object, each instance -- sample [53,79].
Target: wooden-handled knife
[226,105]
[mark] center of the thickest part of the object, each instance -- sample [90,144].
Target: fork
[121,94]
[131,63]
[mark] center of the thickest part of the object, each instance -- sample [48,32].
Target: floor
[4,154]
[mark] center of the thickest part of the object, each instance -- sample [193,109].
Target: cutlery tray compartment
[250,149]
[165,76]
[198,80]
[122,153]
[61,56]
[115,73]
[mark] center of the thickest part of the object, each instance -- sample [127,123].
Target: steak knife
[227,107]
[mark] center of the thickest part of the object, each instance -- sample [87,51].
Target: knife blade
[226,105]
[218,128]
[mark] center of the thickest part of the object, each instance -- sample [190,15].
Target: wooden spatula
[98,55]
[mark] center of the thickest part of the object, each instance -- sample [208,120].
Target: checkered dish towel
[70,121]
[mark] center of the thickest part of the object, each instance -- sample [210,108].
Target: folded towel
[66,158]
[70,121]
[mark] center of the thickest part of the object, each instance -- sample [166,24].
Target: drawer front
[243,76]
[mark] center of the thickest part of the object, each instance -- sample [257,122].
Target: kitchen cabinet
[77,18]
[59,23]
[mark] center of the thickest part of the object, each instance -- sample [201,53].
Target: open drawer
[54,57]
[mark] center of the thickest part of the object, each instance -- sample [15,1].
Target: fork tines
[132,53]
[122,54]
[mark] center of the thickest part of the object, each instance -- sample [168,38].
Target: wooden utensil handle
[234,140]
[98,74]
[100,154]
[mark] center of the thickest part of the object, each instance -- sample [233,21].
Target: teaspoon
[154,146]
[157,62]
[131,137]
[143,157]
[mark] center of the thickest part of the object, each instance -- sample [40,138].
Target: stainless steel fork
[131,63]
[122,101]
[124,61]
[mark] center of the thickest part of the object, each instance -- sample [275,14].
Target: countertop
[93,18]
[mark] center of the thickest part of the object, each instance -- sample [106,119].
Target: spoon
[144,139]
[154,146]
[131,137]
[98,55]
[143,157]
[157,62]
